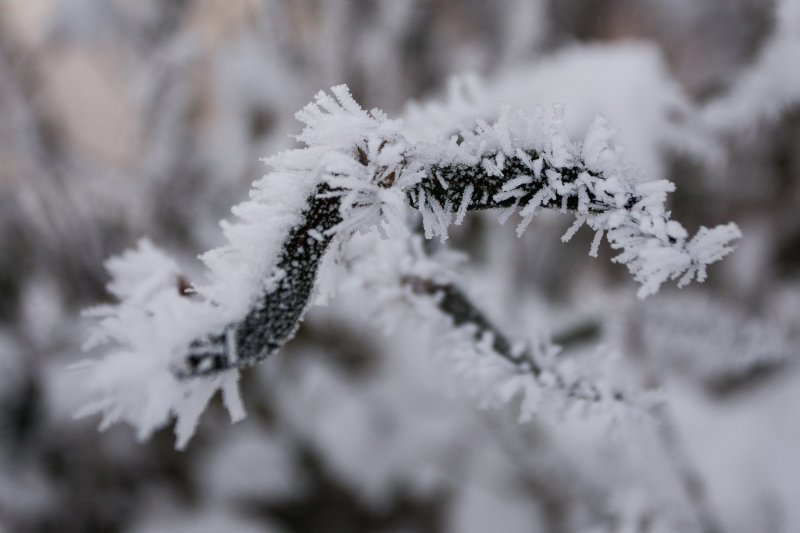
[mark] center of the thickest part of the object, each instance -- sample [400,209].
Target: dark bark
[487,187]
[275,316]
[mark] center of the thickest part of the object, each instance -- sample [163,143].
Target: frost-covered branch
[452,301]
[356,174]
[516,164]
[407,282]
[525,169]
[454,304]
[275,316]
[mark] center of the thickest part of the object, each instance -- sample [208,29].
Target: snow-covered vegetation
[393,315]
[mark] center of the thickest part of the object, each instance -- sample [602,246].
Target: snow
[134,381]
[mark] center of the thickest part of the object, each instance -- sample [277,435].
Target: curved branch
[274,318]
[499,166]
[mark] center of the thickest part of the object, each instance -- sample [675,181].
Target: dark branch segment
[452,301]
[449,183]
[457,306]
[276,315]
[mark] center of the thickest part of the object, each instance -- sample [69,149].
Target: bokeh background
[128,118]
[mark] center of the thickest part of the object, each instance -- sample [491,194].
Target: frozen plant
[174,345]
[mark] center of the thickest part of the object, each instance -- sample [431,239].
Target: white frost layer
[653,247]
[133,381]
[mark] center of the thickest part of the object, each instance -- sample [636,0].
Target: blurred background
[128,118]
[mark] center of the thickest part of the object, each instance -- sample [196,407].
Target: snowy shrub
[173,345]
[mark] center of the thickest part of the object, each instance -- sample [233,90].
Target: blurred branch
[686,472]
[456,305]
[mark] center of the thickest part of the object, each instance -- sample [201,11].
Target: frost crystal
[152,324]
[525,162]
